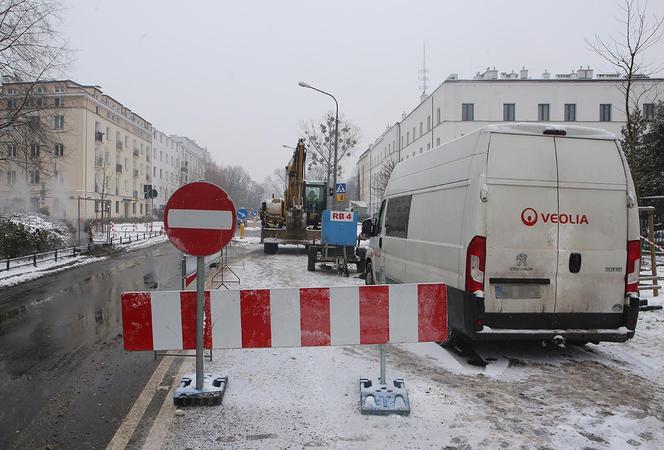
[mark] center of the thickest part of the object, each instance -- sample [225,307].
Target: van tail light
[633,267]
[475,262]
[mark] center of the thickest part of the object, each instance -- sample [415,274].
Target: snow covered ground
[597,396]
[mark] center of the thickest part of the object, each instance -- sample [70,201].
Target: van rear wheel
[369,277]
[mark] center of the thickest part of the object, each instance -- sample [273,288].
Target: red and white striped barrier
[293,317]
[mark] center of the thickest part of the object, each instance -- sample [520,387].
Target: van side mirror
[367,228]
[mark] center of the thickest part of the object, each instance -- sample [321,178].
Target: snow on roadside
[19,275]
[29,273]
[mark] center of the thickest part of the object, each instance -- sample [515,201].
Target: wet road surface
[65,381]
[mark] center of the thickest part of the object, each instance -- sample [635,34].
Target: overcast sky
[225,73]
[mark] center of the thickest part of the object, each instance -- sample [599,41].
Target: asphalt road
[65,381]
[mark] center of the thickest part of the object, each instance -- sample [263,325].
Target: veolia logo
[529,217]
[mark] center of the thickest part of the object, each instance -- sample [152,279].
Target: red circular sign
[199,218]
[529,217]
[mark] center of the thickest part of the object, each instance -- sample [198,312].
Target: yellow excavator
[295,218]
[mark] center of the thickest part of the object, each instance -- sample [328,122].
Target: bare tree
[31,49]
[320,145]
[275,183]
[627,54]
[380,180]
[237,183]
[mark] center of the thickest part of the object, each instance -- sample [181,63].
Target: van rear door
[522,240]
[593,227]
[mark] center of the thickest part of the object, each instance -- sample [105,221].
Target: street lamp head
[304,85]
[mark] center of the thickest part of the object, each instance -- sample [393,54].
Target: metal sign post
[200,310]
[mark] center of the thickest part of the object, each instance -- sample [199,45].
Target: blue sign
[339,228]
[242,213]
[341,188]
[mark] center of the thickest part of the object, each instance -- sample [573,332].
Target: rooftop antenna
[424,73]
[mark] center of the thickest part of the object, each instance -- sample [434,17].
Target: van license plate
[518,291]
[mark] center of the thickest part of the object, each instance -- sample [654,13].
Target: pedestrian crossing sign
[341,188]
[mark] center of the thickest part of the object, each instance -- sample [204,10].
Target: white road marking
[131,420]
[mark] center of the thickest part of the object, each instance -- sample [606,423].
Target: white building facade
[458,106]
[192,159]
[165,167]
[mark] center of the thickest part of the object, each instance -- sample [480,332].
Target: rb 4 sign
[341,216]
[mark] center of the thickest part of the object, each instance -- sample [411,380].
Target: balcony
[135,153]
[118,145]
[135,173]
[118,168]
[99,136]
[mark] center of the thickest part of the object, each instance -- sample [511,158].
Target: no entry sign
[199,218]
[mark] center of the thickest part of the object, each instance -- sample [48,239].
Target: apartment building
[90,147]
[166,167]
[458,106]
[192,159]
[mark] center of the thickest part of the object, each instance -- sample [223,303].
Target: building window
[508,112]
[438,116]
[407,137]
[649,111]
[58,122]
[543,112]
[41,90]
[11,103]
[59,101]
[34,177]
[34,150]
[59,150]
[428,145]
[437,141]
[117,207]
[39,102]
[11,150]
[141,205]
[58,89]
[570,112]
[11,177]
[605,112]
[133,208]
[467,111]
[428,123]
[11,91]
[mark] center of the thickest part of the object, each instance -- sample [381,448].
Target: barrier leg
[382,396]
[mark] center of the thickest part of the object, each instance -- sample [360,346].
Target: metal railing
[37,258]
[650,247]
[133,236]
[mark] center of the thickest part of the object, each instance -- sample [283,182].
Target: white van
[536,226]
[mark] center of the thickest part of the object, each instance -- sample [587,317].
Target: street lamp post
[336,137]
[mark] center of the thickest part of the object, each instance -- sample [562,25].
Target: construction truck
[295,218]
